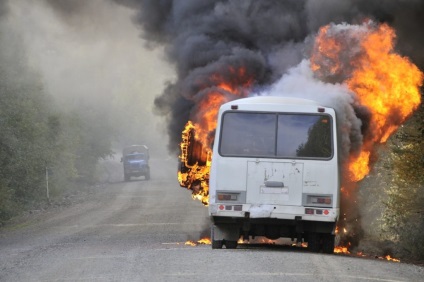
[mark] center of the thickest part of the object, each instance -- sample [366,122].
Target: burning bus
[292,190]
[275,172]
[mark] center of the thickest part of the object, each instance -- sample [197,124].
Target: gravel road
[136,231]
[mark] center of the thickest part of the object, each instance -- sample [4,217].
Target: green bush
[404,215]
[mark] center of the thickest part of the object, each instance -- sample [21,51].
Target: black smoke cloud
[267,37]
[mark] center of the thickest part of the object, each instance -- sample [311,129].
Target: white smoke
[300,82]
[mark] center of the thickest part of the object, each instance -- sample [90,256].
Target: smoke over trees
[35,137]
[74,87]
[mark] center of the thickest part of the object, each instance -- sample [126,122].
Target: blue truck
[136,162]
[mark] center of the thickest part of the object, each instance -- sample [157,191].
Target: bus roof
[274,100]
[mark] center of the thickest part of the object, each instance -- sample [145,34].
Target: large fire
[194,175]
[197,137]
[380,80]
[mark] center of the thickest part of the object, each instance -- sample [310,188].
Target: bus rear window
[276,135]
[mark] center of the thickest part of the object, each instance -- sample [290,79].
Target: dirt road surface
[136,231]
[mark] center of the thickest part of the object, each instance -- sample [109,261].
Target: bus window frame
[275,156]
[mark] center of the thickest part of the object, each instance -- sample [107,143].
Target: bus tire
[328,244]
[314,244]
[231,244]
[217,244]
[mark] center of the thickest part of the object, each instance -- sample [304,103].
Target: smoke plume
[267,38]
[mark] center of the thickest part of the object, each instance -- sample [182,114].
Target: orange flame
[190,243]
[203,241]
[208,108]
[388,257]
[195,176]
[380,80]
[197,137]
[383,81]
[359,167]
[341,250]
[328,47]
[388,85]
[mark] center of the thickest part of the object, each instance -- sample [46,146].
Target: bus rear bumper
[320,214]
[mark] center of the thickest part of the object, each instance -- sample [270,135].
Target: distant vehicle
[275,173]
[136,162]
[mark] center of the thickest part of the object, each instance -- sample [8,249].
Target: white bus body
[275,172]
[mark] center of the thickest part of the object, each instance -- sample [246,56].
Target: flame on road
[388,257]
[203,241]
[341,250]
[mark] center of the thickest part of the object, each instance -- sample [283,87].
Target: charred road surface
[136,231]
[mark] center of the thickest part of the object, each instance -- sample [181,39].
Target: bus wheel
[217,244]
[314,242]
[328,244]
[231,244]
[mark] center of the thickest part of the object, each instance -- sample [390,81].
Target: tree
[404,216]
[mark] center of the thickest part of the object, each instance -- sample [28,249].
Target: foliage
[36,139]
[392,197]
[92,141]
[404,215]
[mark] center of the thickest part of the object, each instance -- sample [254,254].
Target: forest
[37,139]
[64,108]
